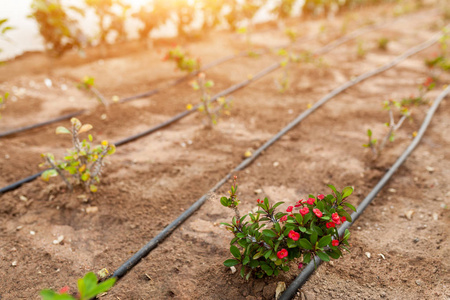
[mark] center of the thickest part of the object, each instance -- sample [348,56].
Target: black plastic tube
[58,119]
[309,269]
[144,251]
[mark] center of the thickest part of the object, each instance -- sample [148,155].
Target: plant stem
[99,96]
[60,173]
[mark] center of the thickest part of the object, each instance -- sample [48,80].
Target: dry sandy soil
[149,182]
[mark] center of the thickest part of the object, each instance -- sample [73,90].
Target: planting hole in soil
[147,153]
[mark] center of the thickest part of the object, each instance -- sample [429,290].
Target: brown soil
[148,183]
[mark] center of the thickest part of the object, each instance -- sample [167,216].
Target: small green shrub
[267,243]
[183,61]
[83,162]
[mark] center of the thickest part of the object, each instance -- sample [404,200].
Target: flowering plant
[211,110]
[84,162]
[2,102]
[88,288]
[270,240]
[183,61]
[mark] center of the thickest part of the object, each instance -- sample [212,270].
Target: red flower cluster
[428,81]
[335,243]
[259,201]
[64,290]
[294,235]
[299,203]
[330,224]
[310,201]
[289,209]
[304,211]
[283,218]
[320,197]
[282,253]
[317,212]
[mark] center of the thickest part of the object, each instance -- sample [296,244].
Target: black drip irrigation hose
[145,250]
[309,269]
[58,119]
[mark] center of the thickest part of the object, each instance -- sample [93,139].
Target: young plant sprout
[383,43]
[283,82]
[211,110]
[3,102]
[270,240]
[83,162]
[440,60]
[248,9]
[404,108]
[360,51]
[183,61]
[4,28]
[87,83]
[88,288]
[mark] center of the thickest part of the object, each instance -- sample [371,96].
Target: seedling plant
[88,288]
[183,62]
[4,28]
[211,110]
[267,243]
[288,58]
[83,162]
[383,43]
[440,60]
[3,102]
[404,108]
[87,83]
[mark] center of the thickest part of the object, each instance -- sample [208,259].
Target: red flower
[335,217]
[304,211]
[428,81]
[257,200]
[330,224]
[283,219]
[310,201]
[289,209]
[320,197]
[335,243]
[337,222]
[294,235]
[343,219]
[282,253]
[64,290]
[317,212]
[300,265]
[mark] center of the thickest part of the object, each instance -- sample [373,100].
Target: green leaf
[62,130]
[332,188]
[100,288]
[313,238]
[231,262]
[267,254]
[246,260]
[323,256]
[266,203]
[342,212]
[299,218]
[93,188]
[349,206]
[49,173]
[291,243]
[267,269]
[306,218]
[52,295]
[304,243]
[277,204]
[306,258]
[235,251]
[346,234]
[258,255]
[347,191]
[326,240]
[269,233]
[224,201]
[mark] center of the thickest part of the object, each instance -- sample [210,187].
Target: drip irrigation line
[61,118]
[309,269]
[153,243]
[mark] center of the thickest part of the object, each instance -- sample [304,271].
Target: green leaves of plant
[62,130]
[235,251]
[88,288]
[269,233]
[304,243]
[324,241]
[231,262]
